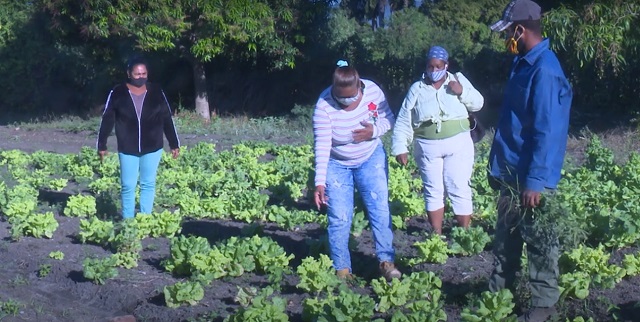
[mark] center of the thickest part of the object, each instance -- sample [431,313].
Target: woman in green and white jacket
[435,114]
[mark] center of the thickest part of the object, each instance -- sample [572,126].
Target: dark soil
[65,295]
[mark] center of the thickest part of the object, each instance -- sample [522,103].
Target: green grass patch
[295,126]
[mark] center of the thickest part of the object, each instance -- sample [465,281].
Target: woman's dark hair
[346,76]
[533,25]
[134,61]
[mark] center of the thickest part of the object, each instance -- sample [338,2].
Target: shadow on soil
[461,294]
[630,311]
[53,197]
[155,263]
[77,277]
[213,231]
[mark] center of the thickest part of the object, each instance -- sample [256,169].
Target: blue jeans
[370,178]
[130,167]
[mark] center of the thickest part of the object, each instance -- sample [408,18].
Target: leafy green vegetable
[99,270]
[260,308]
[36,225]
[95,231]
[317,275]
[418,293]
[469,241]
[574,284]
[346,306]
[183,250]
[80,206]
[44,270]
[56,255]
[631,264]
[181,293]
[432,250]
[595,263]
[491,307]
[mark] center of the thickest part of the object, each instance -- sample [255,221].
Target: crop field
[234,238]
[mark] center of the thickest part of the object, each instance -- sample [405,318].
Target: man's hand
[365,134]
[175,153]
[403,159]
[320,198]
[102,154]
[455,87]
[530,198]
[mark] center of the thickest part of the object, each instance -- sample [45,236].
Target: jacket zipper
[138,117]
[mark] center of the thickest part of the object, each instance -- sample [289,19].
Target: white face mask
[346,101]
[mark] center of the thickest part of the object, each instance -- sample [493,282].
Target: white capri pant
[445,168]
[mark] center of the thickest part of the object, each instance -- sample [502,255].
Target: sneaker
[538,314]
[389,271]
[344,274]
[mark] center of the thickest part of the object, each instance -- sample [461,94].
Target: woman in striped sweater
[348,121]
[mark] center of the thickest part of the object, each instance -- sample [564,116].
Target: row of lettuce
[261,182]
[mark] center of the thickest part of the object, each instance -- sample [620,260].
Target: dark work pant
[515,226]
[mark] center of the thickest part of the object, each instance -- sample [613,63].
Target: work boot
[389,271]
[344,274]
[538,314]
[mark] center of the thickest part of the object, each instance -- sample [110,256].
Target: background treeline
[263,57]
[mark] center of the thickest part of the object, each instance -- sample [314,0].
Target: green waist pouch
[427,130]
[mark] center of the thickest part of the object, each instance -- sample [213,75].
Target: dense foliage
[74,53]
[599,45]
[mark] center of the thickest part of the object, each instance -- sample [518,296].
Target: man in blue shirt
[527,156]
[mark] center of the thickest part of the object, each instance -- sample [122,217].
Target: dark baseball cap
[517,10]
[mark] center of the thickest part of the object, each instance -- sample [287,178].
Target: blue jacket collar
[536,51]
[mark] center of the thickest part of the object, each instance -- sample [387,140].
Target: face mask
[436,75]
[346,101]
[512,42]
[138,82]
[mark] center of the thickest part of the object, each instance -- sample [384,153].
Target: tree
[197,30]
[39,75]
[394,56]
[599,32]
[598,43]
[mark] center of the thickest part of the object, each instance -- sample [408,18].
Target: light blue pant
[370,178]
[130,167]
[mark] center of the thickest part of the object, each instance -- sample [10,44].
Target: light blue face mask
[436,75]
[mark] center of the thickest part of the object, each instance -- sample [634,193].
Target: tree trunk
[200,84]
